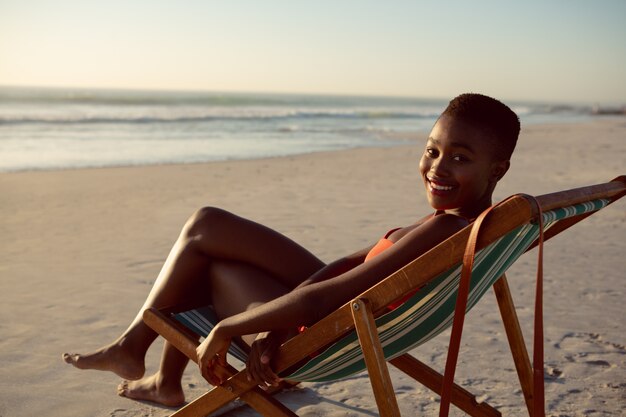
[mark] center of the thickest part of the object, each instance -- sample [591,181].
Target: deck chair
[364,335]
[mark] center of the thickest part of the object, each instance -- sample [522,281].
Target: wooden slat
[220,396]
[374,358]
[516,339]
[611,190]
[172,331]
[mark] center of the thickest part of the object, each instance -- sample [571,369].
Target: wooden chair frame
[360,312]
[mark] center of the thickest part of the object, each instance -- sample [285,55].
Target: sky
[559,51]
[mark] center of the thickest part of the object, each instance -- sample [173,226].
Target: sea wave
[167,117]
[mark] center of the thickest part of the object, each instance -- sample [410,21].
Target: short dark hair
[490,114]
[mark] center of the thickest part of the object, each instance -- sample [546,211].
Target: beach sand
[80,249]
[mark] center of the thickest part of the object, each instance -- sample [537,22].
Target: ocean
[50,129]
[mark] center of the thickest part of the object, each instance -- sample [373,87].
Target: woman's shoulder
[445,223]
[442,219]
[449,219]
[438,228]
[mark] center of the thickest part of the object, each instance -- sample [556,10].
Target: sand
[80,249]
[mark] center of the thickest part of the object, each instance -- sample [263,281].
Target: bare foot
[114,358]
[152,388]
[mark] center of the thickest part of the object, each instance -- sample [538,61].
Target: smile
[441,187]
[437,186]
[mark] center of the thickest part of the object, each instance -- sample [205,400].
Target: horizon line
[274,93]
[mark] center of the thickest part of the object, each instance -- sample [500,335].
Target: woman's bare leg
[236,287]
[210,235]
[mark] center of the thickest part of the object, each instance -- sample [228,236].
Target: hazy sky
[529,50]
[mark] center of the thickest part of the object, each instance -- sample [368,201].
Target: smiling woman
[261,298]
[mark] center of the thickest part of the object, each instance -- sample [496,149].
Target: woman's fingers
[221,369]
[268,376]
[267,373]
[253,365]
[212,357]
[207,373]
[259,364]
[215,371]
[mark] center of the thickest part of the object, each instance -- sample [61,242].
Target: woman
[263,286]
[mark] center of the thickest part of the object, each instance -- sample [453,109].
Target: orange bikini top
[382,245]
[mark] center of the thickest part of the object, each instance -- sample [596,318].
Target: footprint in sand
[587,344]
[586,353]
[122,412]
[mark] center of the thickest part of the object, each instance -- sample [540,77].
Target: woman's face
[459,169]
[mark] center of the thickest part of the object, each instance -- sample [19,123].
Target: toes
[122,388]
[69,358]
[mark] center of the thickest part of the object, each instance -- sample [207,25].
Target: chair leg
[516,340]
[433,380]
[215,399]
[374,359]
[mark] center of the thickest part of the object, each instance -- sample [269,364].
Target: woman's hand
[212,357]
[259,360]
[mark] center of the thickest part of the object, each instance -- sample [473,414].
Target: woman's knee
[204,220]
